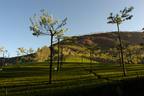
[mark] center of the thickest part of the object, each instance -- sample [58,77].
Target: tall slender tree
[45,24]
[4,52]
[30,55]
[90,46]
[119,19]
[59,37]
[61,56]
[2,49]
[58,62]
[30,51]
[21,52]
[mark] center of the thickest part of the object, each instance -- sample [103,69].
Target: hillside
[102,45]
[105,40]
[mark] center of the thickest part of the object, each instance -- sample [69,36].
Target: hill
[99,47]
[103,46]
[105,40]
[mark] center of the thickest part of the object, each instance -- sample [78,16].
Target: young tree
[47,25]
[61,57]
[21,52]
[90,46]
[59,37]
[58,62]
[30,51]
[3,51]
[119,19]
[30,55]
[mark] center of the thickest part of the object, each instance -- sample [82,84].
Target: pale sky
[84,17]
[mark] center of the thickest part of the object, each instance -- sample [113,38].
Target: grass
[32,79]
[78,59]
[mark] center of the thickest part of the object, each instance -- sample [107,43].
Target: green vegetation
[105,48]
[45,24]
[75,66]
[32,79]
[104,51]
[118,19]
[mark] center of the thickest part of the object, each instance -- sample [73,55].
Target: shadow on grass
[126,87]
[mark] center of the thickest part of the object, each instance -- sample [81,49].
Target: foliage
[24,55]
[47,25]
[3,51]
[118,19]
[42,54]
[21,51]
[30,51]
[134,54]
[103,52]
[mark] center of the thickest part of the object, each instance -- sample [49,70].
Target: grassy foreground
[73,80]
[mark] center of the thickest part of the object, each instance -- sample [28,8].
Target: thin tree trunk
[90,61]
[121,51]
[3,59]
[61,61]
[51,60]
[58,63]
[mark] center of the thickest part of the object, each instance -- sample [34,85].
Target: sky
[84,17]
